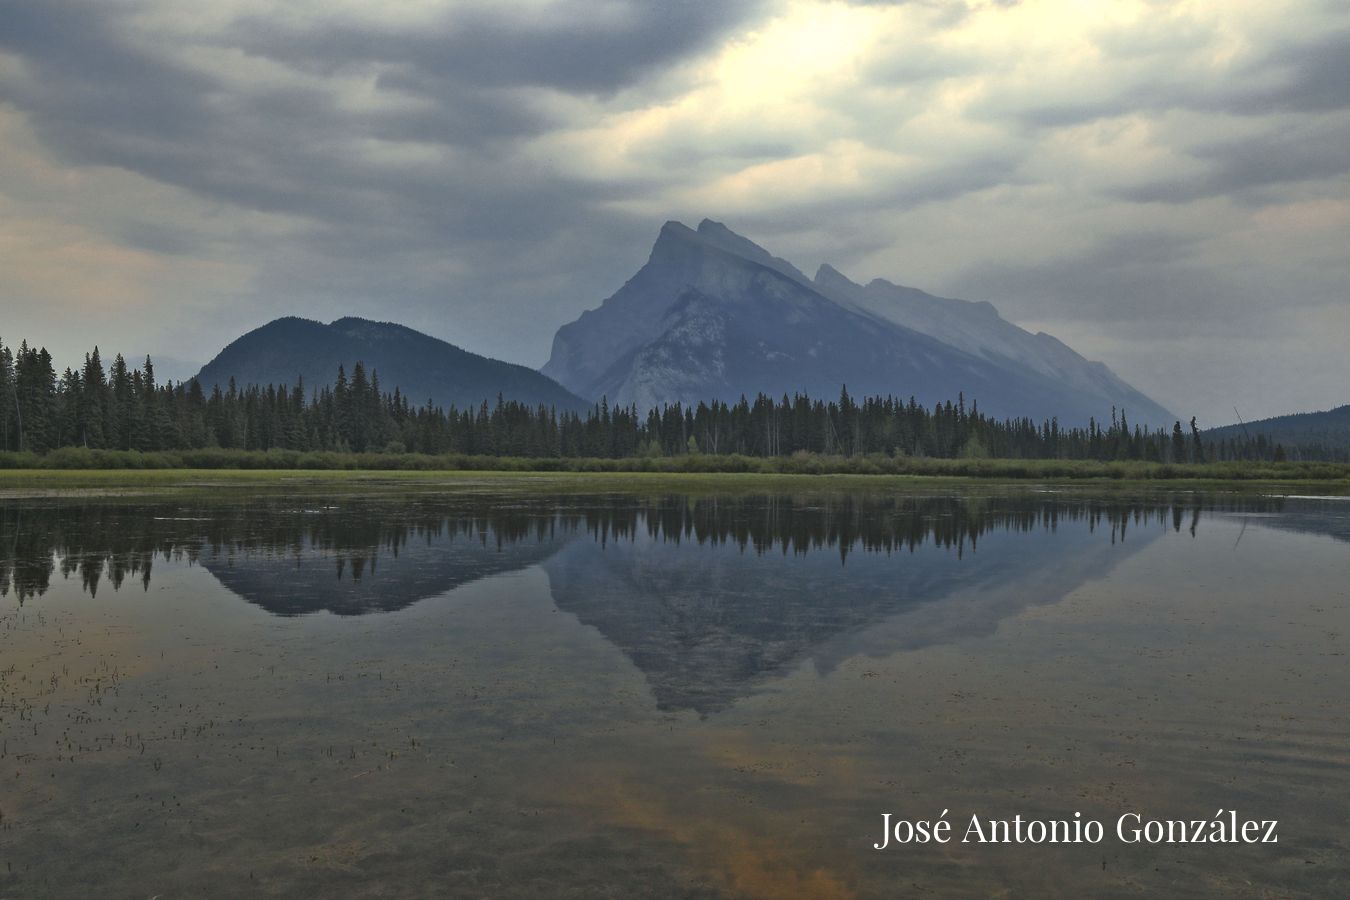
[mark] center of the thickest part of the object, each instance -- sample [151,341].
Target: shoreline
[32,483]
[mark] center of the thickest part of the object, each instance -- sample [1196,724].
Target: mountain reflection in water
[496,692]
[706,595]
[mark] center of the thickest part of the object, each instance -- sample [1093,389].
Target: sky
[1165,186]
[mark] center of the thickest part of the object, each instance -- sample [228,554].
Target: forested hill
[290,350]
[1318,435]
[124,408]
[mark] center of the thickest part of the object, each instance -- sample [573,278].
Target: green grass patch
[687,474]
[74,458]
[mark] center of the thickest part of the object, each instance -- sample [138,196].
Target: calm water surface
[426,693]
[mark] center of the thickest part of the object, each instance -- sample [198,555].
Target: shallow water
[435,693]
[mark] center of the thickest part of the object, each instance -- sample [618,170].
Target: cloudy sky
[1163,185]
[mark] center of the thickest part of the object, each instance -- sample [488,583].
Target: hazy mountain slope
[978,328]
[1329,429]
[780,341]
[712,315]
[421,366]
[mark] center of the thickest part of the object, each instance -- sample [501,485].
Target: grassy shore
[685,473]
[71,458]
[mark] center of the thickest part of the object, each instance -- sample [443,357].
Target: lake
[492,692]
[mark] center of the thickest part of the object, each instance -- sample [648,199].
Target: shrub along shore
[71,458]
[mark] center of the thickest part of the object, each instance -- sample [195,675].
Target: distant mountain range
[713,315]
[710,316]
[420,366]
[1326,433]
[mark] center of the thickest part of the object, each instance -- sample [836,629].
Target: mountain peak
[723,238]
[710,228]
[827,276]
[720,235]
[672,228]
[761,325]
[674,236]
[372,329]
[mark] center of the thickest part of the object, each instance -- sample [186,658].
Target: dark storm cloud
[1300,152]
[98,93]
[414,203]
[1311,76]
[488,172]
[85,79]
[96,97]
[1308,82]
[1133,284]
[574,47]
[1307,76]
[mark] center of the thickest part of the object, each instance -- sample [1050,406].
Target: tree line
[125,408]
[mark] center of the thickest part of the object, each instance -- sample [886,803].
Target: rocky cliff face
[713,315]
